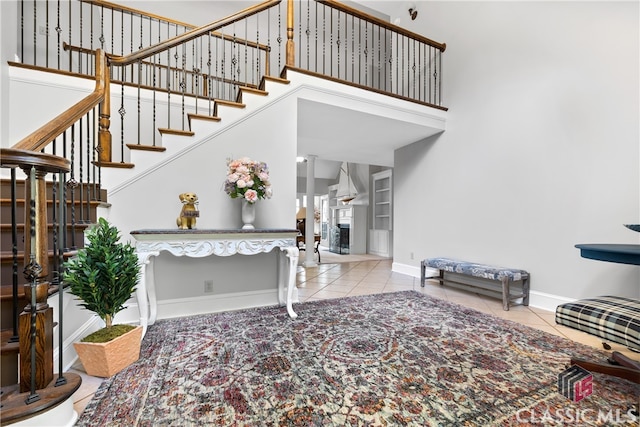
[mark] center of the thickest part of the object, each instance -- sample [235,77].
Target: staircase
[13,204]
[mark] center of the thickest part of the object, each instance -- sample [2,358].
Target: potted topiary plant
[104,275]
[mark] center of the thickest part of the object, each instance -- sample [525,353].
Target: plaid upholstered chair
[612,318]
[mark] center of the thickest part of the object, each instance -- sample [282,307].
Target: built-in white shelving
[380,235]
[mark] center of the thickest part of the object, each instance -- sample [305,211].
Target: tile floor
[375,276]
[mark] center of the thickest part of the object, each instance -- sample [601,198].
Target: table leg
[287,277]
[145,284]
[141,294]
[151,293]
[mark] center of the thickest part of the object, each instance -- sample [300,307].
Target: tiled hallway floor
[375,276]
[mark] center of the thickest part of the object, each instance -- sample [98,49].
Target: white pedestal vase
[248,215]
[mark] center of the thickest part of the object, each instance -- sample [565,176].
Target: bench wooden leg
[506,293]
[423,277]
[525,291]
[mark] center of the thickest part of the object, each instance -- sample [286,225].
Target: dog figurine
[189,212]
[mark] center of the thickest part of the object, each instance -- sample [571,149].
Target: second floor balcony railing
[327,36]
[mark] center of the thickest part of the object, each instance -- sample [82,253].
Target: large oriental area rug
[380,360]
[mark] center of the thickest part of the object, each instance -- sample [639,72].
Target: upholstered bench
[503,276]
[612,318]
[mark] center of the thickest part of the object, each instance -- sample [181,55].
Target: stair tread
[15,409]
[254,90]
[8,288]
[50,225]
[204,117]
[229,103]
[7,347]
[175,132]
[50,202]
[4,254]
[276,79]
[146,147]
[121,165]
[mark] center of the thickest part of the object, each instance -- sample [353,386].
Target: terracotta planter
[107,359]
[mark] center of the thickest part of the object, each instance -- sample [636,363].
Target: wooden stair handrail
[389,26]
[39,139]
[142,13]
[12,157]
[189,35]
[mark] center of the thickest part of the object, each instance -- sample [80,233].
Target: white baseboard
[409,270]
[216,303]
[537,299]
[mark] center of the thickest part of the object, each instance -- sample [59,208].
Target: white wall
[8,31]
[541,150]
[202,169]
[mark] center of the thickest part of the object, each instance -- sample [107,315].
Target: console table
[201,243]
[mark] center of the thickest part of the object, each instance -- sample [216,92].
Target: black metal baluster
[123,112]
[46,36]
[54,230]
[88,164]
[359,50]
[101,38]
[94,150]
[72,184]
[413,68]
[196,70]
[113,21]
[183,83]
[70,39]
[338,44]
[81,171]
[58,32]
[80,50]
[379,62]
[91,66]
[209,77]
[22,31]
[14,256]
[279,39]
[366,53]
[58,244]
[139,95]
[35,33]
[168,77]
[346,45]
[324,39]
[221,80]
[96,121]
[439,53]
